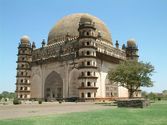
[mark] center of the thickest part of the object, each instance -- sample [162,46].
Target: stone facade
[74,63]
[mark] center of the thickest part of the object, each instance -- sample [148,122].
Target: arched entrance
[53,87]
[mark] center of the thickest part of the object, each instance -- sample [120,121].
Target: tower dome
[69,25]
[131,43]
[24,39]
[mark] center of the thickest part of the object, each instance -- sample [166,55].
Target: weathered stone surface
[135,103]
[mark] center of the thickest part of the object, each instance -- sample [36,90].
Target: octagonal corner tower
[69,25]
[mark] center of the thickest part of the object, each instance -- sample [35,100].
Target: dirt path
[24,110]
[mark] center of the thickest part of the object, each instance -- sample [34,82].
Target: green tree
[132,75]
[164,92]
[152,96]
[144,94]
[6,94]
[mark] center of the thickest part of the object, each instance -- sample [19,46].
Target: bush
[40,102]
[72,99]
[16,101]
[159,98]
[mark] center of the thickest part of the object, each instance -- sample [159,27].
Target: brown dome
[69,25]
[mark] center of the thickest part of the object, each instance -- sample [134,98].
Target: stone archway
[53,88]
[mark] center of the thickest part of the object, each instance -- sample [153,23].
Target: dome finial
[117,44]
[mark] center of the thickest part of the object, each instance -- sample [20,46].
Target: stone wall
[135,103]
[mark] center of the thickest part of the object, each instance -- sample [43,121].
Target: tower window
[21,96]
[88,53]
[89,94]
[22,65]
[21,73]
[21,81]
[94,63]
[87,43]
[88,73]
[21,88]
[82,84]
[82,53]
[25,88]
[82,73]
[88,63]
[88,83]
[82,95]
[87,33]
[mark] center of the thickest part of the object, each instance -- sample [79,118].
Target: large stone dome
[69,25]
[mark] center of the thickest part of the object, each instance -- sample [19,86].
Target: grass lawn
[156,114]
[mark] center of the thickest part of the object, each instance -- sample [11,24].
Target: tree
[6,94]
[152,96]
[164,92]
[144,94]
[132,75]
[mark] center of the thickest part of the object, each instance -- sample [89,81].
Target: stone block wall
[135,103]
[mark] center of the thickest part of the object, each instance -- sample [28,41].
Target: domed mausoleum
[73,63]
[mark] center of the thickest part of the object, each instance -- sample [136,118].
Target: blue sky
[143,20]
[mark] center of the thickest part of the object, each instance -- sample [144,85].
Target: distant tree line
[9,95]
[155,96]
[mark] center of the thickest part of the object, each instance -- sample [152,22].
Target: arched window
[88,63]
[82,84]
[82,95]
[82,73]
[82,53]
[88,53]
[25,88]
[22,65]
[88,84]
[88,73]
[89,94]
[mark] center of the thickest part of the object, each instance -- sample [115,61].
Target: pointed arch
[53,87]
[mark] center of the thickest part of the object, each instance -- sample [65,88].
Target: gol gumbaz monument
[73,63]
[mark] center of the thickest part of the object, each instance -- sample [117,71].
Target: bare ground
[24,110]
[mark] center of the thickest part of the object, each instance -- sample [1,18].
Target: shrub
[40,102]
[159,98]
[16,101]
[72,99]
